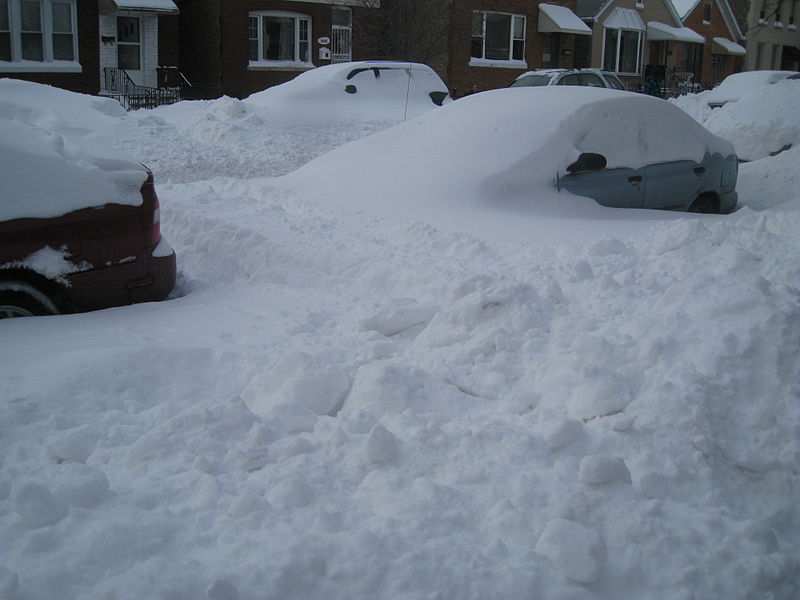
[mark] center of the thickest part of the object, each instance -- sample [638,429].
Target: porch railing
[118,84]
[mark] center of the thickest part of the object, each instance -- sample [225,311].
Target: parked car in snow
[364,89]
[77,232]
[582,77]
[737,85]
[521,151]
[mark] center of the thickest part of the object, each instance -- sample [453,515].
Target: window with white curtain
[279,37]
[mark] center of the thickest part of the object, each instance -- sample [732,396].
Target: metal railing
[118,84]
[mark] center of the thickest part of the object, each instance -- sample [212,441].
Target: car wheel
[703,204]
[19,299]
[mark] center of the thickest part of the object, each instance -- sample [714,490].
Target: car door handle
[635,178]
[699,170]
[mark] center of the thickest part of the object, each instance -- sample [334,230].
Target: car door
[674,184]
[618,187]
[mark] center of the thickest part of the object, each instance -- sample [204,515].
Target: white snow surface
[343,404]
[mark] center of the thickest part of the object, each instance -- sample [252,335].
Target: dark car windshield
[532,80]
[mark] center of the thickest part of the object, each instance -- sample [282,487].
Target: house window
[38,35]
[5,32]
[498,36]
[622,50]
[707,12]
[279,37]
[129,43]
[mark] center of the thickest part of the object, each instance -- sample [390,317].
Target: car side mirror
[588,161]
[438,97]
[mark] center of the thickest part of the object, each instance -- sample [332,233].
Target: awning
[560,19]
[659,31]
[624,18]
[725,46]
[167,7]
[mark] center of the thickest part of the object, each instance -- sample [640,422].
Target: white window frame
[298,18]
[48,64]
[639,51]
[509,62]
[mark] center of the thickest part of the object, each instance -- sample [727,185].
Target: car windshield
[532,80]
[614,82]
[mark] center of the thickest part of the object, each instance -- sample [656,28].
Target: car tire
[20,299]
[703,204]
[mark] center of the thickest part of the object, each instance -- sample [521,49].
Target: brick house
[720,53]
[492,42]
[237,47]
[69,43]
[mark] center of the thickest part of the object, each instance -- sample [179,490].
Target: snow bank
[762,122]
[341,408]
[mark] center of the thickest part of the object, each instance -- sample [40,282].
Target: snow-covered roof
[684,7]
[624,18]
[560,19]
[661,31]
[730,47]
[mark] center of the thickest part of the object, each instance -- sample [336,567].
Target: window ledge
[706,22]
[792,28]
[778,25]
[279,65]
[498,64]
[33,66]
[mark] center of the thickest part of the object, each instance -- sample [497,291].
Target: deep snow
[338,407]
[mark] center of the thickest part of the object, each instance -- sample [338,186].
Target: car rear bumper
[148,278]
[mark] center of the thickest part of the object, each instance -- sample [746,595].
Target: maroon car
[94,257]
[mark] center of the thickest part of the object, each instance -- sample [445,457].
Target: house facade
[72,44]
[686,44]
[721,54]
[773,39]
[492,42]
[237,47]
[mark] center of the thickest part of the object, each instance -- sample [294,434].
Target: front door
[619,188]
[129,47]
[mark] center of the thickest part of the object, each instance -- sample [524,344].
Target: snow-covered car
[77,232]
[737,85]
[582,77]
[514,154]
[364,89]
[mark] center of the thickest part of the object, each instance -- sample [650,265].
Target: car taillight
[155,232]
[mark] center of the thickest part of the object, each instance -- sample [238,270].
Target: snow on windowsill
[706,22]
[792,28]
[778,25]
[279,65]
[498,64]
[35,66]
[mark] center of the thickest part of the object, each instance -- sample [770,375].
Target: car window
[591,80]
[531,80]
[614,81]
[571,79]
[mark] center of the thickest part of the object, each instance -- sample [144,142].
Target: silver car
[644,165]
[581,77]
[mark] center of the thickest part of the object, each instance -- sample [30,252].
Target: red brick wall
[239,81]
[200,52]
[716,28]
[88,81]
[461,77]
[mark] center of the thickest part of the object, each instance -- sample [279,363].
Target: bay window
[38,35]
[279,37]
[622,50]
[498,36]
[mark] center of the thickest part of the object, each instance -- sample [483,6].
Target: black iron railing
[132,96]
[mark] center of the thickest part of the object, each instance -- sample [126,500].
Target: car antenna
[408,91]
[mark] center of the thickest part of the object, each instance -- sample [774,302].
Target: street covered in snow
[344,399]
